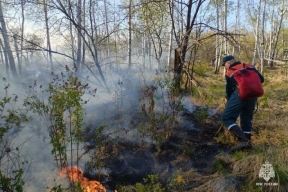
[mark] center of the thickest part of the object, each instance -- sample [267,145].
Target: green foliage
[281,174]
[239,155]
[63,112]
[12,117]
[201,69]
[75,187]
[159,110]
[264,101]
[221,167]
[57,188]
[251,187]
[65,98]
[11,168]
[201,116]
[150,184]
[222,138]
[97,156]
[152,16]
[12,183]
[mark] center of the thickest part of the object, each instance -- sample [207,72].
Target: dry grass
[269,136]
[240,171]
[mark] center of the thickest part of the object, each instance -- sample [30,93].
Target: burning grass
[75,175]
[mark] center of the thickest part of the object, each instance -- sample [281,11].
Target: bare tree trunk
[217,51]
[116,39]
[277,32]
[93,48]
[7,47]
[17,53]
[171,34]
[190,22]
[22,36]
[130,34]
[144,44]
[107,28]
[84,38]
[79,40]
[256,33]
[237,29]
[48,36]
[263,37]
[225,27]
[149,53]
[157,50]
[71,30]
[271,37]
[5,59]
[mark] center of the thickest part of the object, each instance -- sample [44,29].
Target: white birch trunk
[171,35]
[130,34]
[144,49]
[263,36]
[71,31]
[48,36]
[84,38]
[7,47]
[79,38]
[217,51]
[271,37]
[256,33]
[22,36]
[107,28]
[225,27]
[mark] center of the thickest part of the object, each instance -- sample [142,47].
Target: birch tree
[225,26]
[107,28]
[258,25]
[79,36]
[130,34]
[70,12]
[237,29]
[47,28]
[276,25]
[4,59]
[262,50]
[218,40]
[153,17]
[7,47]
[23,2]
[89,32]
[171,6]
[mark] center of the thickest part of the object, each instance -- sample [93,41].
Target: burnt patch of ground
[186,149]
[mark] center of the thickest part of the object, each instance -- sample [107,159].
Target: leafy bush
[11,162]
[159,111]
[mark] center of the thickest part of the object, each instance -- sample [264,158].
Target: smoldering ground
[116,109]
[128,155]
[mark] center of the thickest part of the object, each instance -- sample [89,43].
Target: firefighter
[236,107]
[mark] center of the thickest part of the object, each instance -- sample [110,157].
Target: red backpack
[248,80]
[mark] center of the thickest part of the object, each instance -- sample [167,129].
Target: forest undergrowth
[269,134]
[175,149]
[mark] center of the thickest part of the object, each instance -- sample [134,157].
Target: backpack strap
[232,70]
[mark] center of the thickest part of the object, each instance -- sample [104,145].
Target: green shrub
[150,184]
[159,111]
[11,163]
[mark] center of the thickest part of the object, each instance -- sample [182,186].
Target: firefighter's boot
[243,141]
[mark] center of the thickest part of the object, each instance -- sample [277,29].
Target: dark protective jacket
[231,84]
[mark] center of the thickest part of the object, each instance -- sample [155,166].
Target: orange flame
[75,174]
